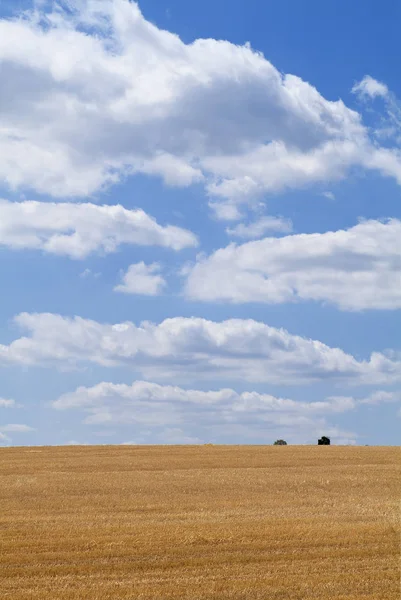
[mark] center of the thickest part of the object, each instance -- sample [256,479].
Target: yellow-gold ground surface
[200,523]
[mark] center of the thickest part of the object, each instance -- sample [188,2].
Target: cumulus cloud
[142,279]
[96,93]
[193,349]
[355,269]
[77,230]
[170,411]
[258,228]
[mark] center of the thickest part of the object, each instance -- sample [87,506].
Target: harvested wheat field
[200,522]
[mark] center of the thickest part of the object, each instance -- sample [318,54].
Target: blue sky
[200,222]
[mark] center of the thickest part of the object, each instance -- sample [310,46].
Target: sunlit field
[200,522]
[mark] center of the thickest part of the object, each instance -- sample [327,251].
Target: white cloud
[16,428]
[75,443]
[226,211]
[381,397]
[7,403]
[370,87]
[169,412]
[176,435]
[142,279]
[277,167]
[258,228]
[355,269]
[88,273]
[329,195]
[193,349]
[152,395]
[96,92]
[389,123]
[77,230]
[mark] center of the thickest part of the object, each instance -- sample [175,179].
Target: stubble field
[200,523]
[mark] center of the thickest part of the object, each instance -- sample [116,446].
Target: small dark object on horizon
[324,441]
[280,443]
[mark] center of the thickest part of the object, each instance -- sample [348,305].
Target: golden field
[200,523]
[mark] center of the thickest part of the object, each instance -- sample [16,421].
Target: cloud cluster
[193,349]
[160,410]
[142,279]
[77,230]
[96,92]
[354,269]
